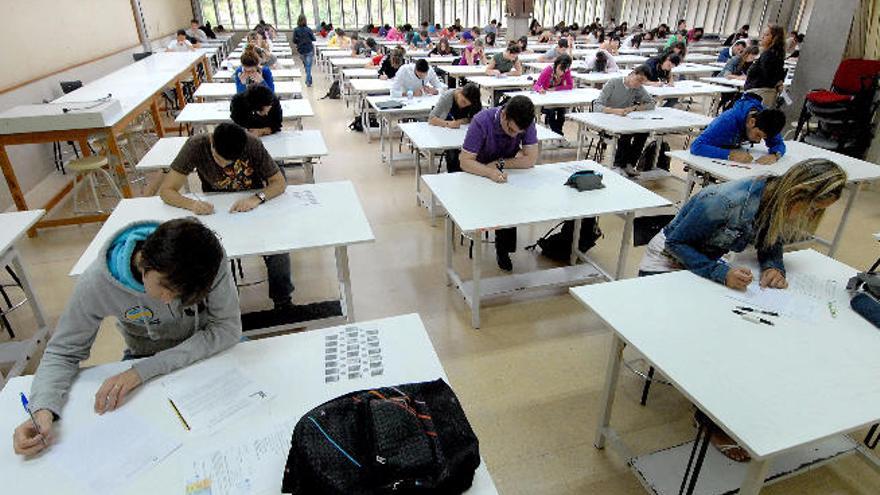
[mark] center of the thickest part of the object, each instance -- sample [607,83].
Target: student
[231,160]
[747,121]
[251,73]
[727,53]
[339,40]
[267,58]
[206,28]
[695,35]
[304,39]
[766,212]
[258,110]
[492,27]
[421,41]
[442,49]
[611,45]
[765,77]
[561,48]
[490,39]
[545,36]
[180,43]
[434,29]
[660,69]
[738,66]
[195,32]
[556,77]
[454,109]
[471,35]
[419,78]
[535,27]
[502,138]
[743,33]
[633,41]
[175,303]
[506,62]
[623,96]
[681,25]
[523,43]
[392,63]
[383,30]
[474,54]
[601,61]
[679,37]
[796,52]
[363,48]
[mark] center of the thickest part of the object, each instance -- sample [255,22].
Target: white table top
[235,62]
[700,57]
[437,59]
[877,236]
[349,61]
[360,73]
[285,145]
[418,105]
[772,388]
[408,357]
[540,66]
[427,137]
[569,98]
[371,86]
[277,74]
[629,59]
[795,152]
[643,50]
[476,203]
[662,119]
[227,90]
[723,81]
[463,70]
[15,224]
[494,82]
[598,77]
[687,88]
[216,112]
[690,69]
[280,225]
[336,53]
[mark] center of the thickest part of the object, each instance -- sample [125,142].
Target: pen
[179,416]
[753,310]
[752,318]
[27,409]
[731,164]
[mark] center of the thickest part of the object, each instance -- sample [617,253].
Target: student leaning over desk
[175,301]
[746,122]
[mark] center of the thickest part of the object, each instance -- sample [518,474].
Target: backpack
[409,439]
[357,125]
[865,291]
[558,246]
[646,161]
[334,93]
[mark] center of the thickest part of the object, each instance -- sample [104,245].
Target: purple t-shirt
[486,139]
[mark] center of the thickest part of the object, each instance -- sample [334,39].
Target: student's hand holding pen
[740,156]
[29,440]
[773,279]
[202,207]
[738,278]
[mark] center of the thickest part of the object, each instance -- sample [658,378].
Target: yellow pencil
[179,416]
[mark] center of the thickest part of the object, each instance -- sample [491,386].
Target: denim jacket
[716,221]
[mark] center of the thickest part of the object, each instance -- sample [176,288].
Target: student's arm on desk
[169,191]
[526,158]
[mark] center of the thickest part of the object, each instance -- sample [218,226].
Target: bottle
[409,95]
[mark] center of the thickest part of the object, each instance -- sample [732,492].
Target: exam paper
[241,466]
[794,302]
[211,392]
[111,451]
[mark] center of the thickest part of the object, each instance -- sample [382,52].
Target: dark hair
[745,27]
[301,20]
[742,65]
[562,43]
[521,111]
[672,57]
[422,65]
[186,254]
[191,21]
[525,42]
[777,40]
[563,61]
[490,35]
[742,41]
[259,96]
[770,120]
[250,59]
[601,61]
[472,92]
[229,140]
[636,40]
[371,42]
[642,70]
[513,47]
[181,32]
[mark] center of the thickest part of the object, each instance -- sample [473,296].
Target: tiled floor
[530,379]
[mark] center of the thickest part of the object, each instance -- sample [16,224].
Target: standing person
[257,110]
[419,78]
[304,39]
[556,77]
[474,54]
[506,62]
[251,73]
[175,302]
[499,138]
[765,77]
[623,96]
[765,212]
[180,43]
[196,32]
[454,109]
[748,121]
[229,160]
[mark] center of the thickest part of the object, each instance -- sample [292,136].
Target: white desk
[418,107]
[734,83]
[435,59]
[306,145]
[690,69]
[576,97]
[700,58]
[277,74]
[476,205]
[857,171]
[408,357]
[357,90]
[629,60]
[779,391]
[360,73]
[16,355]
[691,89]
[597,79]
[227,90]
[643,50]
[235,62]
[217,112]
[454,72]
[494,84]
[433,139]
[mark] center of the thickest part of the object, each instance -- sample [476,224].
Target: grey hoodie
[175,335]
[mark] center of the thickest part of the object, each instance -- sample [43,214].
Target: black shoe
[284,306]
[504,261]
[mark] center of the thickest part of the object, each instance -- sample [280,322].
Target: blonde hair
[806,183]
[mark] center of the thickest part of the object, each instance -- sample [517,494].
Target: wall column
[426,11]
[143,35]
[519,14]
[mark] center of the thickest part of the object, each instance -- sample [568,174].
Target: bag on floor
[865,290]
[408,439]
[646,161]
[558,246]
[334,93]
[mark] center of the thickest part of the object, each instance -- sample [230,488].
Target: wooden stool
[89,169]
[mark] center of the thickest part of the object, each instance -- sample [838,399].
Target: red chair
[842,117]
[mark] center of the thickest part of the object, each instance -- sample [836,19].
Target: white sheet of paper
[791,302]
[212,392]
[534,181]
[243,465]
[108,453]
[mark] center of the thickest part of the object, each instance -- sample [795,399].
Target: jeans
[453,162]
[308,59]
[629,149]
[554,118]
[280,284]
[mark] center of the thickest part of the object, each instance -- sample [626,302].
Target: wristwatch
[501,164]
[261,196]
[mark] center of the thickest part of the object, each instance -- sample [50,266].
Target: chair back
[68,86]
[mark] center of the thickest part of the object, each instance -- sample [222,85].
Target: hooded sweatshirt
[728,131]
[173,335]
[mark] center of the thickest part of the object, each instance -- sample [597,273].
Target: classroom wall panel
[164,17]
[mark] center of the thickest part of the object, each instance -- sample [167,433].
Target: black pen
[752,318]
[753,310]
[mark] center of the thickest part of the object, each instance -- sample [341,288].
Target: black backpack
[334,93]
[408,439]
[646,161]
[558,246]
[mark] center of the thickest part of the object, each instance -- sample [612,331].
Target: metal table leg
[838,234]
[625,243]
[475,283]
[612,372]
[309,170]
[580,138]
[755,476]
[418,177]
[450,246]
[344,278]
